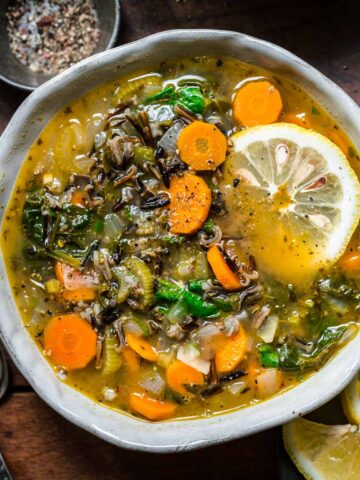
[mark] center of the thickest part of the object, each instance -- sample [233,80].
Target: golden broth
[62,149]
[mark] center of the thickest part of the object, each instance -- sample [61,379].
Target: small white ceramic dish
[26,125]
[19,76]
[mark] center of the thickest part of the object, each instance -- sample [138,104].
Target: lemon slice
[350,399]
[296,200]
[322,452]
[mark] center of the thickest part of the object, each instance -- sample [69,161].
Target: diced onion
[205,336]
[83,163]
[154,384]
[39,317]
[169,140]
[268,382]
[190,355]
[131,326]
[162,114]
[268,329]
[79,132]
[202,268]
[164,342]
[236,387]
[166,358]
[208,330]
[113,225]
[231,325]
[62,374]
[185,268]
[109,394]
[177,313]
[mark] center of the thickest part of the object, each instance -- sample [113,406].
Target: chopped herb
[174,239]
[209,226]
[315,111]
[99,225]
[128,213]
[269,357]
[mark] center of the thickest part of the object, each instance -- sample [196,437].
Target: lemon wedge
[323,452]
[350,399]
[296,200]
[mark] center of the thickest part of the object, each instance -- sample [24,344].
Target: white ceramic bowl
[26,125]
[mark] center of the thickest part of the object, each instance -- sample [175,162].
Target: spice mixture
[49,36]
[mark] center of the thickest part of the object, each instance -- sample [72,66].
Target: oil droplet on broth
[261,225]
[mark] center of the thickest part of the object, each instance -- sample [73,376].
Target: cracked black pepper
[49,36]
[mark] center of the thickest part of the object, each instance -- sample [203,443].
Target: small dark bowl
[17,75]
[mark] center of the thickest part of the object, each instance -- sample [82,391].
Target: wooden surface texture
[37,443]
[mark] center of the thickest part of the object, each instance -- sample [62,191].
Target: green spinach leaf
[328,337]
[189,97]
[269,357]
[167,93]
[192,99]
[73,218]
[33,219]
[289,357]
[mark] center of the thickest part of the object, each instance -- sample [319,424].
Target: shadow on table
[10,99]
[37,443]
[323,32]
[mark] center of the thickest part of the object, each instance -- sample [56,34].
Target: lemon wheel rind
[317,450]
[350,400]
[337,163]
[302,463]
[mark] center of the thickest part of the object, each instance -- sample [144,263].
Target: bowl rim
[173,435]
[115,31]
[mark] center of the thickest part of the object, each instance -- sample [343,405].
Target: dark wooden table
[37,443]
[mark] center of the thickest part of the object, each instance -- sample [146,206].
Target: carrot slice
[71,278]
[229,351]
[142,347]
[189,203]
[253,369]
[257,103]
[79,198]
[63,272]
[202,146]
[150,408]
[350,261]
[179,374]
[85,294]
[131,358]
[221,269]
[70,341]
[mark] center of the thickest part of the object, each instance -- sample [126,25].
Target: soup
[178,241]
